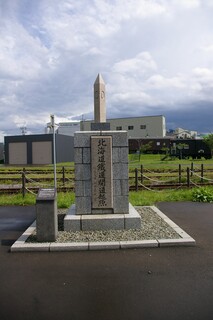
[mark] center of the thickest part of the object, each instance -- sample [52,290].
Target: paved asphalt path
[158,283]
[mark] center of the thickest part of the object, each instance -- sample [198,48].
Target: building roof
[126,118]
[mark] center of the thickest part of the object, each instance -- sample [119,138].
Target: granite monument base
[73,222]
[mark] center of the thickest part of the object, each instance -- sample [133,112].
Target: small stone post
[46,215]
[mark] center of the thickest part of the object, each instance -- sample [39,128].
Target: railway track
[13,189]
[139,179]
[18,189]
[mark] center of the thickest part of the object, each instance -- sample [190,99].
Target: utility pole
[52,121]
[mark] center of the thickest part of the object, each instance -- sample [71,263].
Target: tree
[144,148]
[165,150]
[209,142]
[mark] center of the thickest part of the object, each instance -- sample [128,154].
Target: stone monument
[101,175]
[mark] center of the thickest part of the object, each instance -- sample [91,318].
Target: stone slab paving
[184,240]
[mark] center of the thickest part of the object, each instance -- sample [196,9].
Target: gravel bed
[153,227]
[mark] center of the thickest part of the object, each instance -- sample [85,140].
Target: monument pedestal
[88,222]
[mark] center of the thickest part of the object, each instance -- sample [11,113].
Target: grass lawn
[64,199]
[149,198]
[140,198]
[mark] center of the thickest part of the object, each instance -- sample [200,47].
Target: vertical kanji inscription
[101,168]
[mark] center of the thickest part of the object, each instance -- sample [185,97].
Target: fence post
[136,179]
[142,174]
[23,184]
[202,171]
[63,175]
[192,168]
[188,177]
[179,171]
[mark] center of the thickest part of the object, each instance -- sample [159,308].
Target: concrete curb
[185,240]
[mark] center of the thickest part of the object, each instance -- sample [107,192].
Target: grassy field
[148,160]
[153,161]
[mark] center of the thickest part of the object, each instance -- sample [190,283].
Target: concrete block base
[86,222]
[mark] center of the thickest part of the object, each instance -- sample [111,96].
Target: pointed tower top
[99,123]
[99,79]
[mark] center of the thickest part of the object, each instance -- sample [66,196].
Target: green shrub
[202,195]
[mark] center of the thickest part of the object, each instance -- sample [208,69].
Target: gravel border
[155,224]
[153,227]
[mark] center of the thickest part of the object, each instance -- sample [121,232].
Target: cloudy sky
[156,57]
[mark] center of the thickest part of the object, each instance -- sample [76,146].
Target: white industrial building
[147,126]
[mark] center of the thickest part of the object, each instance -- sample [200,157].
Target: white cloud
[127,79]
[188,4]
[16,63]
[121,10]
[153,54]
[130,97]
[94,51]
[207,2]
[202,83]
[158,81]
[142,63]
[204,74]
[208,48]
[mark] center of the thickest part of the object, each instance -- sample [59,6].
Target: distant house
[180,133]
[38,149]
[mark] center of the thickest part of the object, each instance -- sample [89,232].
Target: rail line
[8,189]
[18,189]
[142,178]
